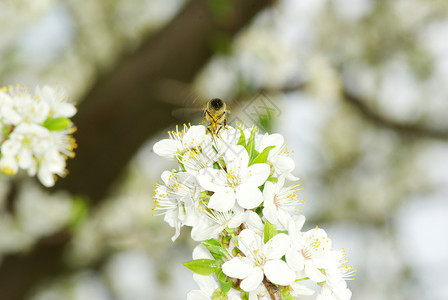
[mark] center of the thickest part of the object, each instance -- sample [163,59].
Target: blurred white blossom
[36,132]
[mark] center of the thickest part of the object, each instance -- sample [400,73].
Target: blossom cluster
[237,192]
[36,132]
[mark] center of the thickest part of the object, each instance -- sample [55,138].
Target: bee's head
[216,104]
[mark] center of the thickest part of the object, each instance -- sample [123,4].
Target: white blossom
[31,139]
[310,254]
[260,259]
[238,182]
[57,101]
[279,202]
[22,107]
[216,222]
[177,198]
[25,142]
[279,156]
[232,191]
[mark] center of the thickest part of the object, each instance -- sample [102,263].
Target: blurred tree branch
[409,129]
[119,113]
[412,130]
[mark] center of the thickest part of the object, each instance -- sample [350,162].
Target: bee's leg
[225,119]
[203,120]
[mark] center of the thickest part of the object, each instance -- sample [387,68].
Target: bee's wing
[176,92]
[188,113]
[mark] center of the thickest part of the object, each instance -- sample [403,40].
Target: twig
[273,290]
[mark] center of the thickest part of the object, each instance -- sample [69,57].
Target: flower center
[233,180]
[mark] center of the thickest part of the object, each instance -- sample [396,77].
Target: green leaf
[215,248]
[263,156]
[218,294]
[245,296]
[269,231]
[285,292]
[5,131]
[78,213]
[224,281]
[251,143]
[273,179]
[202,266]
[287,297]
[54,124]
[242,139]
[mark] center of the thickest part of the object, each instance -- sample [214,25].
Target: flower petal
[295,260]
[248,195]
[45,177]
[200,232]
[166,148]
[314,273]
[200,251]
[276,247]
[10,148]
[211,179]
[300,290]
[237,267]
[252,281]
[194,136]
[25,157]
[197,295]
[283,164]
[207,284]
[222,200]
[237,219]
[258,173]
[278,272]
[236,159]
[254,222]
[248,241]
[275,139]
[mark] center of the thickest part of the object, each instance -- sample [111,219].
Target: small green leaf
[242,139]
[224,281]
[218,294]
[273,179]
[54,124]
[269,231]
[5,131]
[286,293]
[78,213]
[245,296]
[287,297]
[202,266]
[263,156]
[251,143]
[215,248]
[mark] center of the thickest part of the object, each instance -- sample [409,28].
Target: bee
[215,112]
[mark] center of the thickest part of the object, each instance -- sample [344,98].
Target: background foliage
[359,90]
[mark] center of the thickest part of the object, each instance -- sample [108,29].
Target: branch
[413,130]
[121,112]
[409,129]
[273,290]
